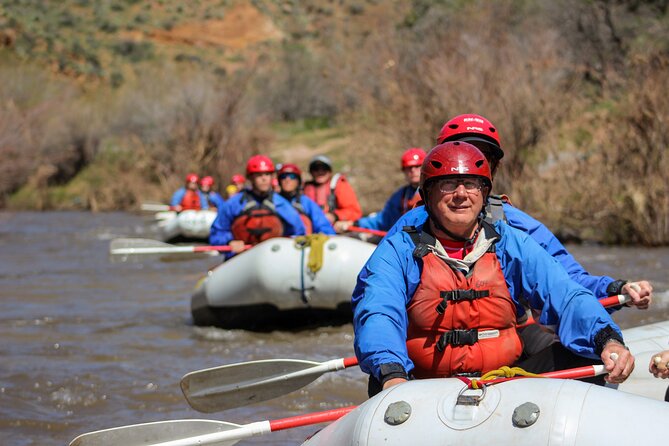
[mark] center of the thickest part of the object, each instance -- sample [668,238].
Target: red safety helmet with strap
[192,178]
[238,179]
[454,158]
[207,181]
[259,164]
[472,128]
[413,157]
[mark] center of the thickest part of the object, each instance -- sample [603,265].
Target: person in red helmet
[237,183]
[332,192]
[290,180]
[255,214]
[441,298]
[214,199]
[480,132]
[189,197]
[402,200]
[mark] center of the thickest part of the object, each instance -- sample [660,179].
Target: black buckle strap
[457,338]
[459,295]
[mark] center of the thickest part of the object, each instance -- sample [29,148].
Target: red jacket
[336,196]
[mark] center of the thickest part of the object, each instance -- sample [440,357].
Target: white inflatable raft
[272,286]
[644,342]
[186,225]
[523,412]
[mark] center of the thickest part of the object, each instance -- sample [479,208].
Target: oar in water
[142,246]
[150,207]
[367,231]
[199,432]
[236,385]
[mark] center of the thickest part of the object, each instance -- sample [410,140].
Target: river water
[89,344]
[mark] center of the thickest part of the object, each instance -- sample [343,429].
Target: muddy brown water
[88,344]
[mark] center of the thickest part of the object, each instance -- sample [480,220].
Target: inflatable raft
[283,283]
[521,412]
[185,225]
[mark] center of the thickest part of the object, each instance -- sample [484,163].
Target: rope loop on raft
[317,243]
[502,372]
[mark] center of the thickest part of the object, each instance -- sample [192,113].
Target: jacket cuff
[392,370]
[605,335]
[615,287]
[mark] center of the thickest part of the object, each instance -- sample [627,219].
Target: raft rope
[490,377]
[317,243]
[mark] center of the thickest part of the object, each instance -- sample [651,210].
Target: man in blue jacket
[256,214]
[480,132]
[442,298]
[313,217]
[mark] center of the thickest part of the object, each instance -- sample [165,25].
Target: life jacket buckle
[457,338]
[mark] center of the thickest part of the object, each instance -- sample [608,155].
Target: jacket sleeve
[415,217]
[564,304]
[348,207]
[216,200]
[384,287]
[384,219]
[318,219]
[289,215]
[177,197]
[221,232]
[204,201]
[545,238]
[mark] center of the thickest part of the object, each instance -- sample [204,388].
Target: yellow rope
[503,372]
[316,242]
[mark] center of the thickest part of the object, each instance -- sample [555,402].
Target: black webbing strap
[457,296]
[458,337]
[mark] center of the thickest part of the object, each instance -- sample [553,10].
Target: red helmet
[207,181]
[259,164]
[413,157]
[290,168]
[454,158]
[192,178]
[469,128]
[238,179]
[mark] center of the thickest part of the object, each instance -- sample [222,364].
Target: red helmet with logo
[192,178]
[238,179]
[413,157]
[290,168]
[472,128]
[207,181]
[454,158]
[259,164]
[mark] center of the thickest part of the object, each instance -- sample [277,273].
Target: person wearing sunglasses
[313,217]
[255,214]
[441,298]
[401,201]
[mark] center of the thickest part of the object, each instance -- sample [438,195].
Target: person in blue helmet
[442,298]
[401,201]
[214,199]
[313,217]
[255,214]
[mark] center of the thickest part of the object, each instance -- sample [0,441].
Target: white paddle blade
[237,385]
[152,207]
[177,432]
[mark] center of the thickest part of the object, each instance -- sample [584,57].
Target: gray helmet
[320,159]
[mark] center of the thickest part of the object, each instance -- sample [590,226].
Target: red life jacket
[191,200]
[322,194]
[461,323]
[257,222]
[306,221]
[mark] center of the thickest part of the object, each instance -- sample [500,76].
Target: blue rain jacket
[214,199]
[221,233]
[390,277]
[391,212]
[540,233]
[179,195]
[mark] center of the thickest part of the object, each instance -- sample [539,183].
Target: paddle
[143,246]
[199,432]
[368,231]
[587,371]
[607,302]
[156,207]
[236,385]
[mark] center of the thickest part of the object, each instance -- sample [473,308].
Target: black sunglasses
[292,176]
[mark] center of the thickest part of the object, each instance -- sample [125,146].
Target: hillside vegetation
[104,104]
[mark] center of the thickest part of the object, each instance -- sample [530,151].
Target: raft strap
[464,337]
[458,296]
